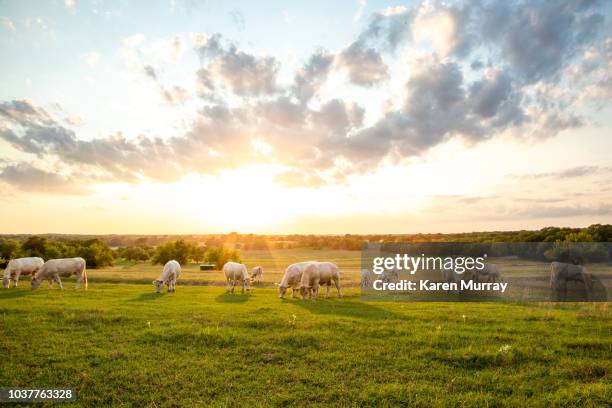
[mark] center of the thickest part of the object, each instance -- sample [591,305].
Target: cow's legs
[16,279]
[315,290]
[79,281]
[337,284]
[327,288]
[59,282]
[293,292]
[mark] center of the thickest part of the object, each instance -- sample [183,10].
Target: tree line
[98,254]
[103,250]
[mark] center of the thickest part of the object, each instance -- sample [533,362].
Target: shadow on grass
[346,308]
[14,293]
[232,297]
[144,297]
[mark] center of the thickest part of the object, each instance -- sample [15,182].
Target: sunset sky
[304,117]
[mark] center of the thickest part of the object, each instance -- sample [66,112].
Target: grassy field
[121,344]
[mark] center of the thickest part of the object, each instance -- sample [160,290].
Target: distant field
[119,343]
[274,263]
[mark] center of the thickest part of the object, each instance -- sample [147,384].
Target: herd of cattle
[303,277]
[306,277]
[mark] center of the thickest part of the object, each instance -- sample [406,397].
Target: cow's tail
[85,275]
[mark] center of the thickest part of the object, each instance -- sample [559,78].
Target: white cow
[257,274]
[292,278]
[236,272]
[561,273]
[490,273]
[18,267]
[169,275]
[319,273]
[450,276]
[390,276]
[54,268]
[366,279]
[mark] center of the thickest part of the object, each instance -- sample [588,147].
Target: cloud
[238,19]
[7,23]
[469,84]
[364,66]
[309,79]
[538,38]
[28,178]
[388,29]
[359,13]
[173,95]
[572,172]
[240,72]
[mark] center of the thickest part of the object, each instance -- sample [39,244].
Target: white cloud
[7,23]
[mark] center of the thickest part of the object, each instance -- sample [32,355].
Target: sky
[184,116]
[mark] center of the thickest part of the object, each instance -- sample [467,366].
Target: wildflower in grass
[505,348]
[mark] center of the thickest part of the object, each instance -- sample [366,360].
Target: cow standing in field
[169,275]
[54,268]
[18,267]
[236,272]
[366,279]
[319,273]
[292,279]
[257,274]
[562,273]
[489,273]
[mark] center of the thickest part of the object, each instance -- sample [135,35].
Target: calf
[257,274]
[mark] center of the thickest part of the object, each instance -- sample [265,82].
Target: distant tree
[35,246]
[9,248]
[136,253]
[220,255]
[95,252]
[180,251]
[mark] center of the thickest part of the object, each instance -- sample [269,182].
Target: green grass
[122,344]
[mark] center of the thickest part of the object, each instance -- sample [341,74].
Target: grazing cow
[236,272]
[450,276]
[169,275]
[54,268]
[319,273]
[562,273]
[390,276]
[257,274]
[292,278]
[18,267]
[366,279]
[490,273]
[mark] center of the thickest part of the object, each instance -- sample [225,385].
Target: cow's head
[5,282]
[305,292]
[282,290]
[159,284]
[35,282]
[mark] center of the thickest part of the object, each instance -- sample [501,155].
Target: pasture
[120,343]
